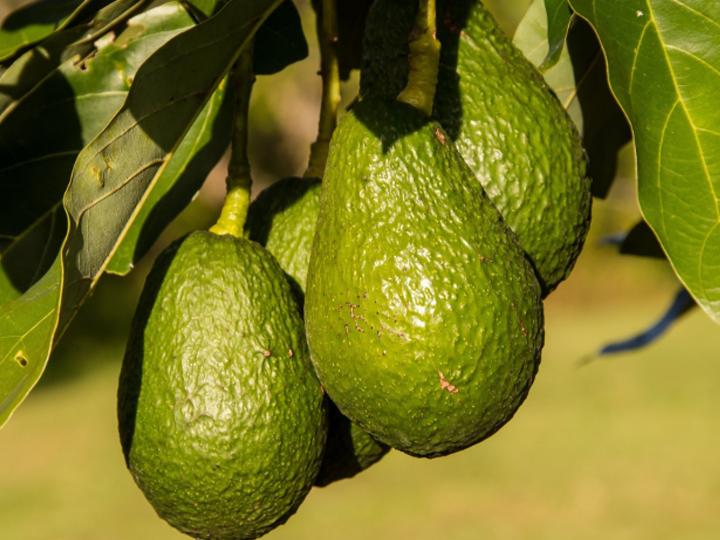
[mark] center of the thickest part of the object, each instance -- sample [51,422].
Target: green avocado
[504,119]
[423,316]
[349,449]
[222,419]
[283,219]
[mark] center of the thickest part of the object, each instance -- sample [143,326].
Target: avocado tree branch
[424,60]
[239,179]
[330,71]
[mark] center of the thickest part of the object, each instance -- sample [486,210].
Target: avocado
[504,119]
[222,419]
[423,316]
[349,449]
[283,218]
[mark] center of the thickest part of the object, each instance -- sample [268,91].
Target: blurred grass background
[624,447]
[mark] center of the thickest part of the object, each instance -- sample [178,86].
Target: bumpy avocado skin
[222,419]
[423,317]
[504,119]
[283,219]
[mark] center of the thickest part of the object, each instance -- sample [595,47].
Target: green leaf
[605,129]
[206,7]
[72,103]
[531,37]
[110,180]
[199,151]
[103,17]
[31,23]
[589,103]
[27,257]
[75,43]
[280,41]
[558,21]
[664,67]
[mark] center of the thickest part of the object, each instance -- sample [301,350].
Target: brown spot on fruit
[446,385]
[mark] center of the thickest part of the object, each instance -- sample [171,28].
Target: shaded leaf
[27,257]
[74,43]
[558,21]
[605,129]
[73,103]
[199,151]
[664,68]
[110,179]
[31,23]
[280,41]
[206,7]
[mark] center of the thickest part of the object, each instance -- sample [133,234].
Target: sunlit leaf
[664,67]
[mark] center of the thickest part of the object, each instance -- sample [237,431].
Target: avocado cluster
[395,303]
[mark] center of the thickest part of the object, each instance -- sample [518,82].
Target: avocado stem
[330,71]
[239,179]
[424,60]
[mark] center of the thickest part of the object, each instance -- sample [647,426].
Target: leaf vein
[673,77]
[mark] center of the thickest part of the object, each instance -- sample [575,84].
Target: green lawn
[625,448]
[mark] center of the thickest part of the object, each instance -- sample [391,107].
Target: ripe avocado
[283,219]
[423,317]
[504,119]
[222,419]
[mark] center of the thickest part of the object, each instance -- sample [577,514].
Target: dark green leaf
[110,179]
[558,21]
[280,41]
[605,129]
[206,7]
[31,23]
[25,258]
[103,16]
[199,151]
[664,68]
[76,43]
[73,103]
